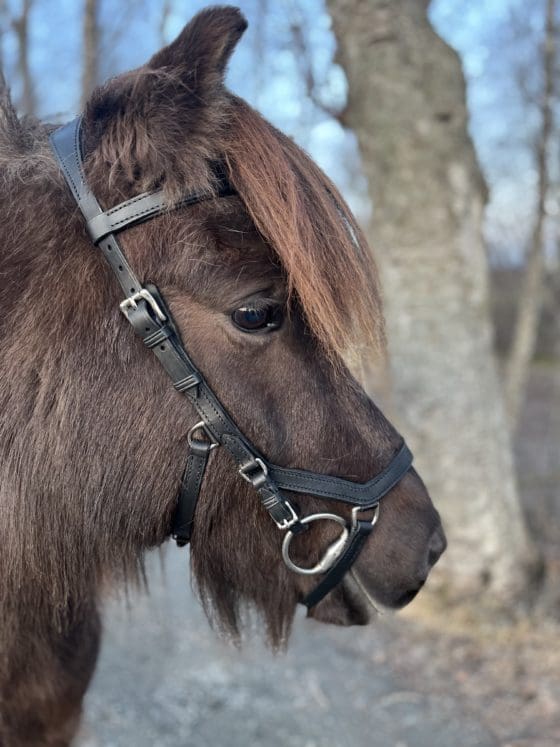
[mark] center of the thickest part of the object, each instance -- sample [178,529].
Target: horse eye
[253,318]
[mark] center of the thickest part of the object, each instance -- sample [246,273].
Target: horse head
[269,284]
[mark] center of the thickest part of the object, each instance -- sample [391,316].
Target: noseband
[147,312]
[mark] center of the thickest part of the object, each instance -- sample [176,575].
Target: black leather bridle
[151,319]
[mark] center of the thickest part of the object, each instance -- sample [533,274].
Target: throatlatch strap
[189,491]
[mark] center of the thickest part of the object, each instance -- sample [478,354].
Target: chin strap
[145,309]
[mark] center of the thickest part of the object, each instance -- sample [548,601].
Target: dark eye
[257,318]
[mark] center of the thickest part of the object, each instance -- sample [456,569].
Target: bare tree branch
[109,39]
[20,25]
[3,86]
[305,63]
[90,70]
[259,50]
[165,13]
[531,298]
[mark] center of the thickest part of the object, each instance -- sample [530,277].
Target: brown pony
[92,435]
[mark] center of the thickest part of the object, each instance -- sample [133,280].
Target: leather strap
[191,483]
[365,495]
[99,224]
[164,341]
[335,574]
[143,207]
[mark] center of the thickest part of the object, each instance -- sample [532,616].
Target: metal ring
[255,462]
[331,553]
[197,426]
[356,510]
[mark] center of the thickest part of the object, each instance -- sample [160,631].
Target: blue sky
[493,37]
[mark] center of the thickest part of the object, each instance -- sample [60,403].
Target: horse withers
[251,281]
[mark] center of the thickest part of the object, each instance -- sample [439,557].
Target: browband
[147,312]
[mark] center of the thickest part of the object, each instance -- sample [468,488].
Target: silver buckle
[287,523]
[142,295]
[212,444]
[246,468]
[356,510]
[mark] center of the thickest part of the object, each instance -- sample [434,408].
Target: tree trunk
[28,102]
[406,104]
[90,70]
[164,17]
[531,298]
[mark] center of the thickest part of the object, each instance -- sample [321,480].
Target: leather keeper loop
[160,335]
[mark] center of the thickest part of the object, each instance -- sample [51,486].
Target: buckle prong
[142,295]
[287,523]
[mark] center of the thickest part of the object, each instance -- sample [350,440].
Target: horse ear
[161,124]
[200,53]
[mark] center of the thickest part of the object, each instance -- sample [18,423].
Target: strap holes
[147,329]
[109,247]
[133,290]
[121,268]
[162,347]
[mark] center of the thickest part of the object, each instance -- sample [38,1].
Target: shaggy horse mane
[301,214]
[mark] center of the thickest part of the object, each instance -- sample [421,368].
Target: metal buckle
[287,523]
[256,480]
[196,442]
[356,510]
[332,553]
[142,295]
[246,468]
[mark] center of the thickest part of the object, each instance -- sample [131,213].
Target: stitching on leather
[186,480]
[151,209]
[130,218]
[187,473]
[337,489]
[198,474]
[210,404]
[67,173]
[360,495]
[185,485]
[239,452]
[297,476]
[158,207]
[147,195]
[358,489]
[124,205]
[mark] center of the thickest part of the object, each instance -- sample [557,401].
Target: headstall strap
[147,312]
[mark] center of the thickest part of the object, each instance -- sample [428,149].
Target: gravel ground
[164,679]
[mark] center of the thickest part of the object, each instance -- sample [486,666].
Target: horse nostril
[437,545]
